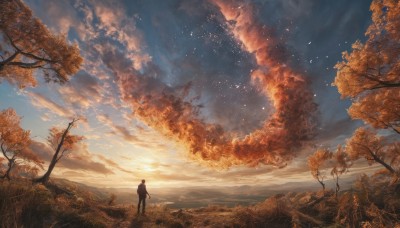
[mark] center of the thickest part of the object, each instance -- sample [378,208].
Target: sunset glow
[194,93]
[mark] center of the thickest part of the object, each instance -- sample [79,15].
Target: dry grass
[373,202]
[25,205]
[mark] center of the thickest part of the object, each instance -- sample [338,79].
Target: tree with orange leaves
[14,142]
[316,164]
[375,149]
[62,142]
[370,74]
[341,164]
[26,45]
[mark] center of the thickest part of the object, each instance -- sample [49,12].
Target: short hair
[143,180]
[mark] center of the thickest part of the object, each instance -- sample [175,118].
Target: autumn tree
[365,143]
[341,164]
[27,46]
[62,143]
[14,142]
[370,73]
[316,164]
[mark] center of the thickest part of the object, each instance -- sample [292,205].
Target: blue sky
[172,43]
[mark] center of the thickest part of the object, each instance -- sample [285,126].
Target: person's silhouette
[142,193]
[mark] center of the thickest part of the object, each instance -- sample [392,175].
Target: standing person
[142,192]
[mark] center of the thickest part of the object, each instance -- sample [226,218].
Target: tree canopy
[14,142]
[62,143]
[28,46]
[316,164]
[69,143]
[365,143]
[370,73]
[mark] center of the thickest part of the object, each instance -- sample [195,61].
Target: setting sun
[191,113]
[148,168]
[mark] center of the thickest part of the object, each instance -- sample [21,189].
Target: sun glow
[148,168]
[146,165]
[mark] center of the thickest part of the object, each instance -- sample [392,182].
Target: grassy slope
[371,203]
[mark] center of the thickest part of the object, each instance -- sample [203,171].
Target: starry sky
[189,49]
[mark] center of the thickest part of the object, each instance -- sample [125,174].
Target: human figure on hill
[142,193]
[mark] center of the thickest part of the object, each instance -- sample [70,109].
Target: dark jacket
[141,190]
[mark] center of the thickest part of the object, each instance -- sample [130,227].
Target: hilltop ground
[372,202]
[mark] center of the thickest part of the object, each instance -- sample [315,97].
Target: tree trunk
[10,166]
[337,186]
[388,167]
[45,178]
[322,184]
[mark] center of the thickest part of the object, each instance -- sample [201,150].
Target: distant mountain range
[202,196]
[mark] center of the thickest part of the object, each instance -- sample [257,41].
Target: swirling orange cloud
[274,143]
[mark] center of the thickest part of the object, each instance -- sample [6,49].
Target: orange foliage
[29,46]
[364,143]
[316,163]
[340,166]
[341,161]
[62,143]
[370,74]
[15,141]
[367,144]
[69,144]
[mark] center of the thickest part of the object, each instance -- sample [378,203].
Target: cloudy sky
[192,92]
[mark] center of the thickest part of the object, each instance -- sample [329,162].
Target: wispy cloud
[116,24]
[79,159]
[117,129]
[113,164]
[42,102]
[83,91]
[139,56]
